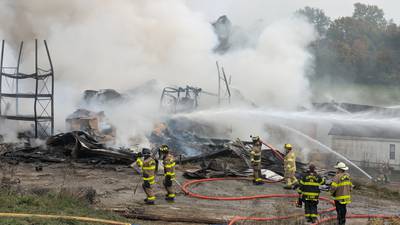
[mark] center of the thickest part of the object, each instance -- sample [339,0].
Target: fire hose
[274,150]
[187,184]
[72,218]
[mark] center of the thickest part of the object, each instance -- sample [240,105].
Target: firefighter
[148,170]
[340,190]
[309,193]
[169,171]
[290,167]
[256,160]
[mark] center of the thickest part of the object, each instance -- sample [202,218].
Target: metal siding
[370,151]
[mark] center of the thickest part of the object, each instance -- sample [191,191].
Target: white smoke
[123,43]
[273,73]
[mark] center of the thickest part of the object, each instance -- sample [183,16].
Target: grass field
[49,203]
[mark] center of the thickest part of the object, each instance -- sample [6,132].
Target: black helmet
[164,148]
[146,152]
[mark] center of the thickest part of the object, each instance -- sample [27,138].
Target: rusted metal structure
[180,99]
[42,113]
[184,99]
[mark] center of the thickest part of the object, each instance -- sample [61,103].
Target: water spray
[327,148]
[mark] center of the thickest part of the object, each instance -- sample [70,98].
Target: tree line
[363,48]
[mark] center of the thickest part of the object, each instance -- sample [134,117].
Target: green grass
[49,203]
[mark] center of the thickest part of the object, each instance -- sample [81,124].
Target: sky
[271,10]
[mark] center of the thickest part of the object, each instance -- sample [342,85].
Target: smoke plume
[122,44]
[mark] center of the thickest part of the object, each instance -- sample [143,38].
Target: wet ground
[119,188]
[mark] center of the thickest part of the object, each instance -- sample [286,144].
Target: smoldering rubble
[215,157]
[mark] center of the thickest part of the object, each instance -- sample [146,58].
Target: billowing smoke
[122,44]
[273,72]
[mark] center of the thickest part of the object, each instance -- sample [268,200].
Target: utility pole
[227,86]
[219,84]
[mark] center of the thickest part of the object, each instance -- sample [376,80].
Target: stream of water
[245,121]
[327,148]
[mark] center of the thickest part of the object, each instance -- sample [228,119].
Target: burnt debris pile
[213,157]
[77,145]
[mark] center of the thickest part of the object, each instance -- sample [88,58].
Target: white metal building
[367,145]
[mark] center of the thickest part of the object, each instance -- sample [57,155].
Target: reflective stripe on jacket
[309,186]
[256,154]
[169,165]
[148,169]
[290,161]
[341,187]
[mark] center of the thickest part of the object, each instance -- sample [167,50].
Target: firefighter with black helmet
[148,169]
[169,171]
[309,193]
[256,160]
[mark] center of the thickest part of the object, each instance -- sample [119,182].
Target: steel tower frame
[43,98]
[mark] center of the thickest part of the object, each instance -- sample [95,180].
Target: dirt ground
[115,188]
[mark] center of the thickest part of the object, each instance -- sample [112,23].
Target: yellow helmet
[164,148]
[288,146]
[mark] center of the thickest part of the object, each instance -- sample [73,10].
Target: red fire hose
[187,184]
[274,151]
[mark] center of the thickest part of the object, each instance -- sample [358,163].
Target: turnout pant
[257,173]
[341,211]
[169,187]
[290,178]
[148,189]
[311,209]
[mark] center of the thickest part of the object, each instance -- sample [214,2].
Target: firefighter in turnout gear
[256,160]
[290,167]
[341,187]
[309,193]
[148,169]
[169,171]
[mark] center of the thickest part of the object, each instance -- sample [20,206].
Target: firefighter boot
[170,198]
[149,201]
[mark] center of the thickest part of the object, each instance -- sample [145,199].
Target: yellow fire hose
[76,218]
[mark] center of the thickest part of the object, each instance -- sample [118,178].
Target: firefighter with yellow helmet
[290,167]
[256,160]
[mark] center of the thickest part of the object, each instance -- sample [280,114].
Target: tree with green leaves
[370,13]
[363,48]
[317,17]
